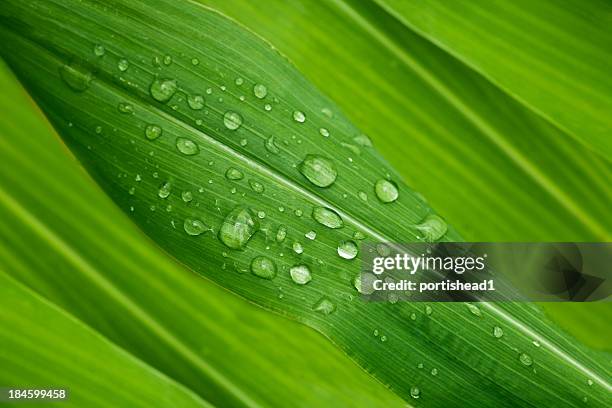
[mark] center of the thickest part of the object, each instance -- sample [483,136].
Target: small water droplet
[434,371]
[167,59]
[238,228]
[126,108]
[348,249]
[386,191]
[525,359]
[76,76]
[194,226]
[164,189]
[298,248]
[186,146]
[298,212]
[299,116]
[132,190]
[162,90]
[98,129]
[300,274]
[152,132]
[413,316]
[312,235]
[195,61]
[232,120]
[498,332]
[281,233]
[234,174]
[187,196]
[271,146]
[263,267]
[123,65]
[256,186]
[327,217]
[239,81]
[267,107]
[324,306]
[99,50]
[358,235]
[475,310]
[261,214]
[324,132]
[383,338]
[327,112]
[536,343]
[589,382]
[432,227]
[319,170]
[260,91]
[195,102]
[364,283]
[428,310]
[362,196]
[362,140]
[415,392]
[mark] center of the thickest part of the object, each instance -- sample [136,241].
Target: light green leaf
[552,56]
[55,60]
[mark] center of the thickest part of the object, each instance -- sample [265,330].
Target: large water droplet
[194,226]
[237,228]
[163,89]
[432,227]
[232,120]
[186,146]
[498,333]
[348,250]
[386,191]
[327,217]
[319,170]
[260,91]
[234,174]
[76,76]
[300,274]
[415,392]
[525,359]
[324,306]
[164,190]
[152,132]
[263,267]
[271,146]
[195,102]
[299,116]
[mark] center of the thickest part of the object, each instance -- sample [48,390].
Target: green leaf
[283,181]
[54,226]
[553,57]
[95,374]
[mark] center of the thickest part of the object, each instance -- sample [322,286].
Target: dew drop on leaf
[152,132]
[525,359]
[187,196]
[297,248]
[162,90]
[364,283]
[311,235]
[475,310]
[299,116]
[348,250]
[300,274]
[99,50]
[327,217]
[324,132]
[76,76]
[324,306]
[232,120]
[164,190]
[386,191]
[123,65]
[238,227]
[428,310]
[186,146]
[125,108]
[498,333]
[362,140]
[415,392]
[195,102]
[281,233]
[263,267]
[267,107]
[319,170]
[256,186]
[432,227]
[194,226]
[260,91]
[271,146]
[234,174]
[434,371]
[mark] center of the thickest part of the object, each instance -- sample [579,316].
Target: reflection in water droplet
[232,120]
[194,227]
[300,274]
[152,132]
[386,191]
[162,90]
[263,267]
[327,217]
[432,227]
[260,91]
[195,102]
[238,228]
[299,116]
[348,250]
[319,170]
[324,306]
[186,146]
[233,174]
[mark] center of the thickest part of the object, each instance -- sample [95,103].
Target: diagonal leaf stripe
[103,111]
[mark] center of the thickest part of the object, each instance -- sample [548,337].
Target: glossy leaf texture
[144,135]
[64,239]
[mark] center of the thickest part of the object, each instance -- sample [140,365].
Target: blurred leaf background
[485,153]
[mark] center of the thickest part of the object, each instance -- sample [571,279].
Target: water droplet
[76,76]
[362,140]
[194,226]
[260,91]
[187,196]
[319,170]
[298,212]
[386,191]
[256,186]
[312,235]
[525,359]
[123,65]
[348,250]
[162,90]
[232,120]
[261,214]
[239,81]
[99,50]
[237,228]
[434,371]
[324,132]
[243,142]
[327,112]
[358,235]
[415,392]
[126,108]
[589,382]
[536,343]
[324,306]
[327,217]
[473,309]
[132,190]
[186,146]
[234,174]
[195,102]
[164,190]
[363,196]
[167,59]
[98,129]
[195,61]
[413,316]
[271,146]
[383,338]
[420,366]
[432,227]
[498,333]
[375,333]
[263,267]
[281,233]
[299,116]
[364,283]
[152,132]
[268,107]
[300,274]
[428,310]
